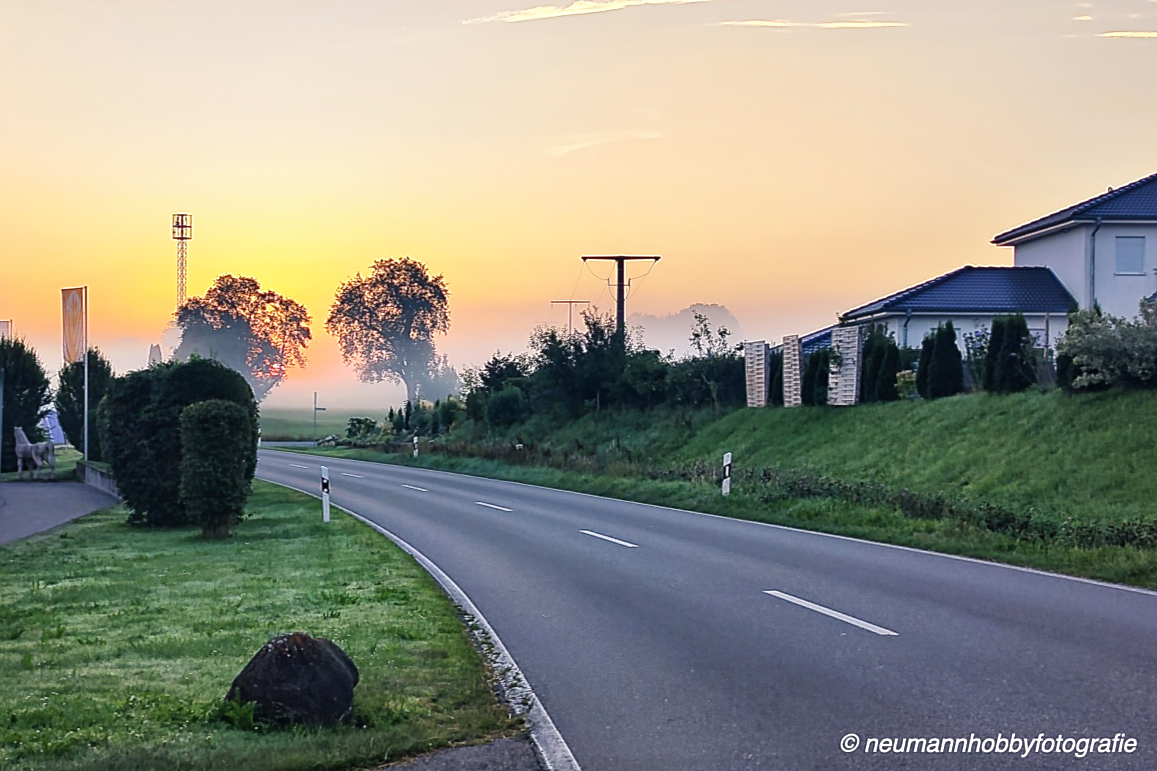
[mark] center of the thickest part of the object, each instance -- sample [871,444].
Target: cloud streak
[1128,34]
[781,24]
[575,143]
[576,8]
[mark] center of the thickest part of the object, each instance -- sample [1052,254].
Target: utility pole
[316,410]
[621,297]
[569,310]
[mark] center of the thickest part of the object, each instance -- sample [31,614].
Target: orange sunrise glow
[788,160]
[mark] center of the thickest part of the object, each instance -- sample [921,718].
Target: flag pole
[86,372]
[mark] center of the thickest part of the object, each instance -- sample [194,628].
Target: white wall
[921,325]
[1065,253]
[1068,254]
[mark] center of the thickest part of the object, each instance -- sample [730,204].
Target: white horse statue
[35,455]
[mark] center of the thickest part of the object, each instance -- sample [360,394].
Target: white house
[971,297]
[1104,249]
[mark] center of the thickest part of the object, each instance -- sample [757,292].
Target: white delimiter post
[415,445]
[727,473]
[324,494]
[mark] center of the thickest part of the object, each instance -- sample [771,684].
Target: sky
[788,160]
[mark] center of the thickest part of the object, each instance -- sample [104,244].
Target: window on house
[1130,254]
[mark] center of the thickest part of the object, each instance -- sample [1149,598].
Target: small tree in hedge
[886,374]
[776,370]
[924,364]
[506,407]
[142,438]
[215,446]
[26,391]
[946,371]
[814,386]
[872,358]
[992,355]
[1015,368]
[70,400]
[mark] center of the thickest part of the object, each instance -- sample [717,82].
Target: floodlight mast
[182,234]
[621,297]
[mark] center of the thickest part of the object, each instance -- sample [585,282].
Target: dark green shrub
[992,356]
[506,407]
[360,428]
[886,373]
[142,437]
[924,364]
[872,359]
[807,383]
[26,391]
[216,443]
[1015,367]
[776,370]
[946,371]
[70,400]
[814,385]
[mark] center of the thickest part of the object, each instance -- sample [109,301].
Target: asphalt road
[663,639]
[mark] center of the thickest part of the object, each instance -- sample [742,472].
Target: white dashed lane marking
[628,544]
[834,614]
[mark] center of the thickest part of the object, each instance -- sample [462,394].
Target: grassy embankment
[1062,461]
[117,644]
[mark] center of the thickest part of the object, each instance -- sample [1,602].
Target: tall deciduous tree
[258,333]
[26,391]
[385,323]
[70,400]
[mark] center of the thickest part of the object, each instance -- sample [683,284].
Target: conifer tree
[886,377]
[992,357]
[946,371]
[1016,365]
[924,364]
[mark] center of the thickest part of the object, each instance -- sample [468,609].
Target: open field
[283,424]
[117,644]
[1056,459]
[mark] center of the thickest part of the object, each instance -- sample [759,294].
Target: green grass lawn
[117,644]
[284,424]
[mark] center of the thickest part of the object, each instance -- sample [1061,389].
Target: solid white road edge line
[834,614]
[419,489]
[608,538]
[347,474]
[492,506]
[552,749]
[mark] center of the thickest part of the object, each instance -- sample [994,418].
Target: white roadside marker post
[415,445]
[727,473]
[324,494]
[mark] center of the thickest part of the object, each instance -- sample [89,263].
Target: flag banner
[75,324]
[5,329]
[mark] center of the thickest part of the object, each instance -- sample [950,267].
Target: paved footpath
[27,508]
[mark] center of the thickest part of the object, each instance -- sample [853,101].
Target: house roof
[973,289]
[809,344]
[1135,201]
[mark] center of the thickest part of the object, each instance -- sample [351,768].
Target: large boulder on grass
[297,679]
